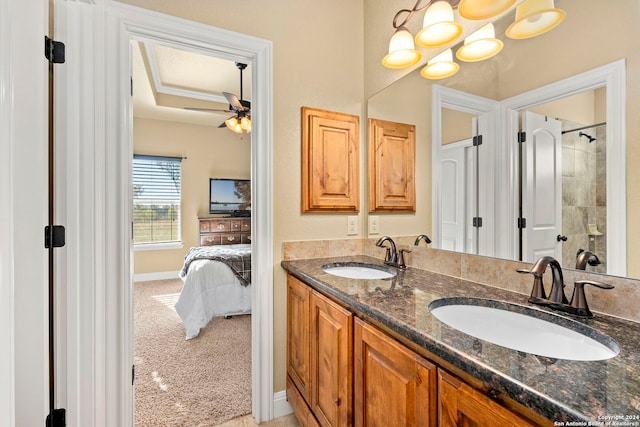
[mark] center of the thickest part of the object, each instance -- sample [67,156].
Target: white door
[23,214]
[541,187]
[457,161]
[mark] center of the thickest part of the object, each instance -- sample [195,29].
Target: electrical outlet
[373,225]
[352,225]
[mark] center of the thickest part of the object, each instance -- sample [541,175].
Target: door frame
[612,77]
[94,125]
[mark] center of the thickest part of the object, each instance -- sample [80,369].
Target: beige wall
[210,152]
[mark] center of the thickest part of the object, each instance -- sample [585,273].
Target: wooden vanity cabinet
[343,371]
[461,405]
[319,357]
[393,385]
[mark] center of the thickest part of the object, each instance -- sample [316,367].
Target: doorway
[95,124]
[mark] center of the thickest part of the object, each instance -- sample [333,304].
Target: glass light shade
[231,122]
[438,27]
[245,123]
[402,51]
[483,9]
[534,17]
[440,67]
[480,45]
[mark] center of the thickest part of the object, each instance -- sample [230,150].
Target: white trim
[444,97]
[160,275]
[613,77]
[157,246]
[95,114]
[280,405]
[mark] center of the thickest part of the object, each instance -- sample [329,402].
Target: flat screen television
[230,196]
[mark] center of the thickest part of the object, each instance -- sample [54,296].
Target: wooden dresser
[224,231]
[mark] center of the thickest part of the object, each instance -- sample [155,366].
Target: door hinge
[477,221]
[54,51]
[522,222]
[522,136]
[58,418]
[133,373]
[477,140]
[54,236]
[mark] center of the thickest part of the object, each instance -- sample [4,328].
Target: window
[156,199]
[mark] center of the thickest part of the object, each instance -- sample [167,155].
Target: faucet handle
[401,263]
[538,296]
[579,300]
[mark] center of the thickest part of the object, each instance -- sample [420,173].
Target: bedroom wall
[210,153]
[317,62]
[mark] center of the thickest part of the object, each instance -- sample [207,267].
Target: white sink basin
[353,270]
[531,331]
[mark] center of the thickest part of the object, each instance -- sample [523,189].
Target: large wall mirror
[568,89]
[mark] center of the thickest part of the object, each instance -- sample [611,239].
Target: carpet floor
[201,382]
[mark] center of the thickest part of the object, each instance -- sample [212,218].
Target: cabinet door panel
[331,361]
[462,405]
[298,350]
[393,385]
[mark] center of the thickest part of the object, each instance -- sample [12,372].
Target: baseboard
[280,405]
[161,275]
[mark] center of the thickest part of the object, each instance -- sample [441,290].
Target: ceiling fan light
[534,17]
[483,9]
[480,45]
[440,67]
[438,27]
[231,122]
[402,51]
[245,123]
[237,128]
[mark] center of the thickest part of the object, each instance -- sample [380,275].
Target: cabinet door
[461,405]
[331,362]
[392,153]
[298,349]
[393,385]
[330,161]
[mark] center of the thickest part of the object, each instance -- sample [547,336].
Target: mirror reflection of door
[541,190]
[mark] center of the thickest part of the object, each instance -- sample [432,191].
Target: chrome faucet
[556,295]
[424,237]
[392,257]
[585,257]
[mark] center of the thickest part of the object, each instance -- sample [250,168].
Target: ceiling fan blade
[234,102]
[207,110]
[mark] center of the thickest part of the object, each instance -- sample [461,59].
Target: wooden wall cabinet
[392,154]
[330,161]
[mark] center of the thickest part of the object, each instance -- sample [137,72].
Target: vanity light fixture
[534,17]
[439,26]
[480,45]
[440,67]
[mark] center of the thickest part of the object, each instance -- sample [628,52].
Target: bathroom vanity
[369,352]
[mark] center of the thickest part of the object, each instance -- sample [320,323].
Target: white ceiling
[165,80]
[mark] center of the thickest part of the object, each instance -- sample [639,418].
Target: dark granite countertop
[560,390]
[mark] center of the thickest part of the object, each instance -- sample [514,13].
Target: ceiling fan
[241,120]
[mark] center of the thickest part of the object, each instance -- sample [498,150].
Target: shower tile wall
[583,193]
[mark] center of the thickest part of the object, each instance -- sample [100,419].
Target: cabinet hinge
[477,140]
[58,418]
[477,221]
[54,51]
[522,136]
[54,236]
[522,222]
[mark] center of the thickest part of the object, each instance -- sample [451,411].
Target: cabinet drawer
[205,227]
[220,225]
[246,238]
[209,239]
[230,239]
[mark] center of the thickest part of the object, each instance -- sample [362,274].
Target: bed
[217,282]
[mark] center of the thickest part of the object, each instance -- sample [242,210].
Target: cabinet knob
[220,226]
[338,402]
[231,238]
